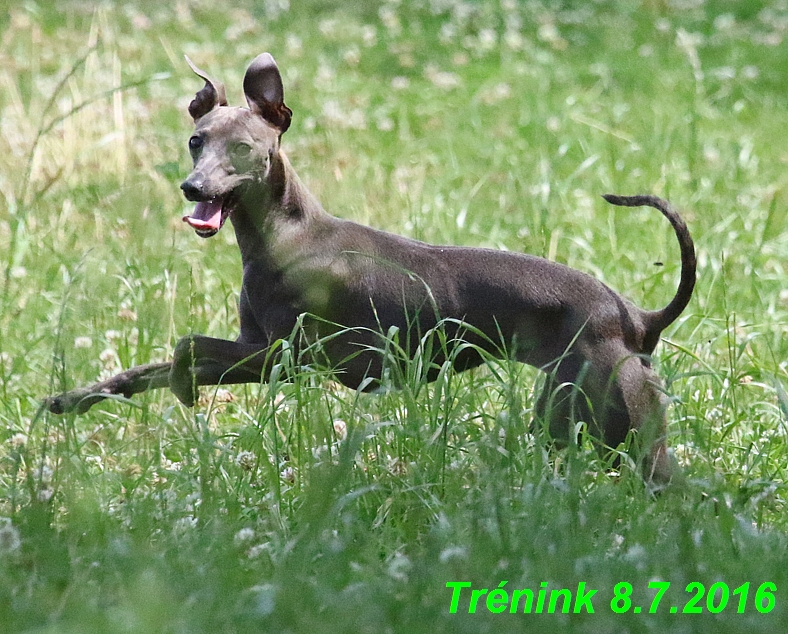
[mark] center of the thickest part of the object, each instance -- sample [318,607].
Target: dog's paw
[78,401]
[56,404]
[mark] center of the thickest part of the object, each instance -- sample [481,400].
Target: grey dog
[348,286]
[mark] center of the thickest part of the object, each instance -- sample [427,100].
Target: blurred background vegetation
[307,507]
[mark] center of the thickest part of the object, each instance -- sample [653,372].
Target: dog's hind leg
[612,399]
[557,408]
[626,396]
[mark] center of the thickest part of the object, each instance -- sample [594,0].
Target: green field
[303,506]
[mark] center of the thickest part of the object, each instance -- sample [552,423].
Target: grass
[302,506]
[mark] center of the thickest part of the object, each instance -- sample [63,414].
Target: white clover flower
[514,40]
[385,124]
[369,35]
[442,79]
[488,38]
[294,46]
[352,56]
[9,536]
[399,567]
[83,342]
[750,72]
[400,83]
[255,551]
[243,536]
[109,358]
[184,524]
[45,494]
[340,429]
[725,22]
[246,460]
[453,552]
[390,19]
[127,314]
[288,474]
[45,473]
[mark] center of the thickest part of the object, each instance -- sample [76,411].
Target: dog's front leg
[133,381]
[200,360]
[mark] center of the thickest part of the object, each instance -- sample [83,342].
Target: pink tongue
[207,215]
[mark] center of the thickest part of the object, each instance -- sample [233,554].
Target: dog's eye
[195,143]
[242,151]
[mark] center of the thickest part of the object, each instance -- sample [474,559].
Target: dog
[347,286]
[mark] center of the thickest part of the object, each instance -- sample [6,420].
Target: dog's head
[232,147]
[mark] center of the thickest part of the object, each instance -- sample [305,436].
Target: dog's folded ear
[211,96]
[265,93]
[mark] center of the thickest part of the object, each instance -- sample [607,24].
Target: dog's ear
[265,93]
[211,96]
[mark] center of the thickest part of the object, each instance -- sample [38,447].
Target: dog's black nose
[192,190]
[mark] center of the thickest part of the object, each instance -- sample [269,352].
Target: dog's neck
[280,203]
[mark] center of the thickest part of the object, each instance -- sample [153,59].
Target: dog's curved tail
[657,320]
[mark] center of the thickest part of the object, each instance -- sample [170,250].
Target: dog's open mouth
[208,217]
